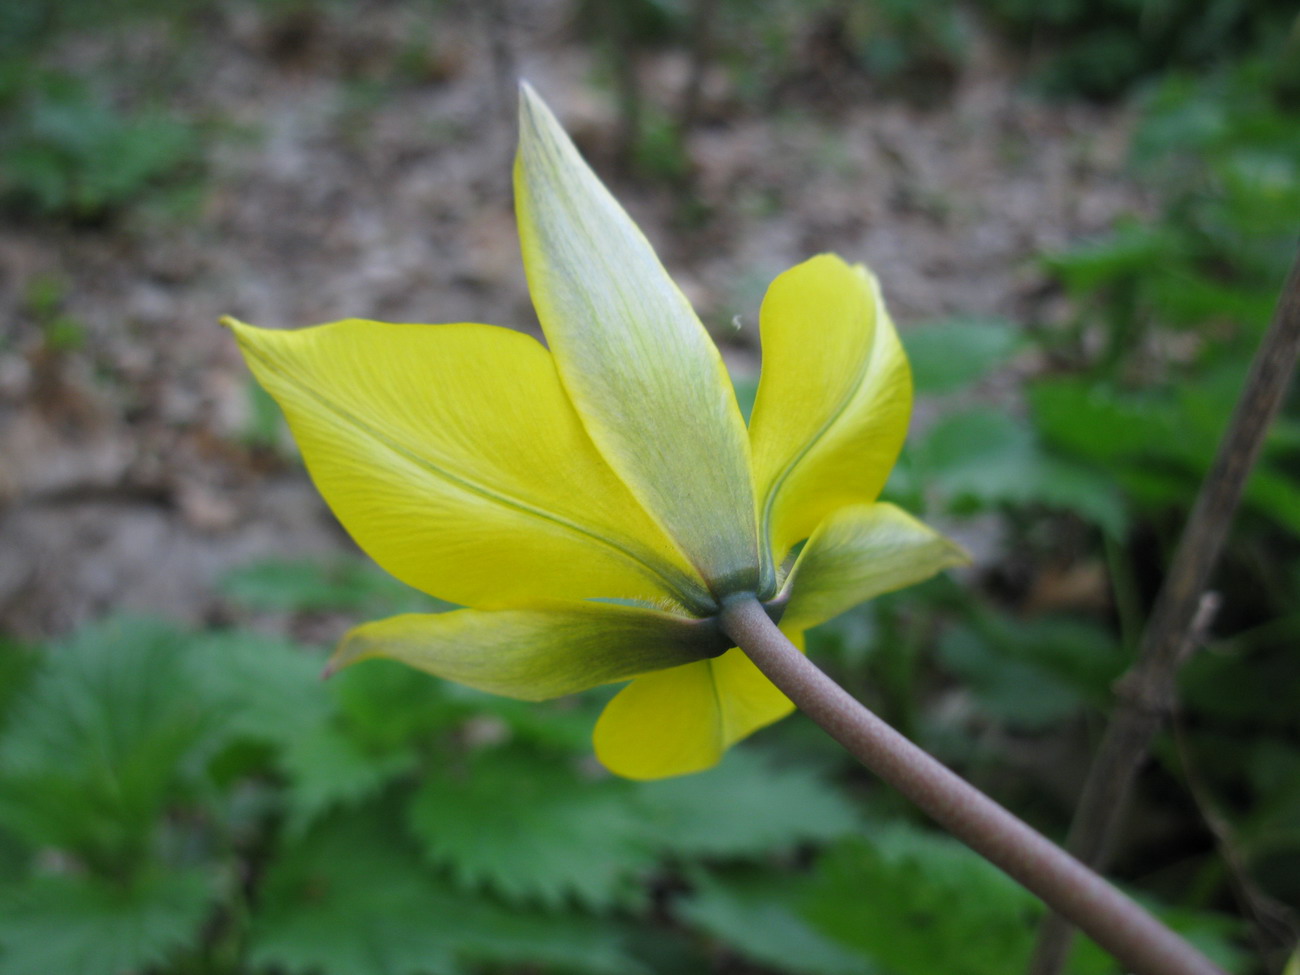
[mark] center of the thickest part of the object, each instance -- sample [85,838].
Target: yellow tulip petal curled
[859,553]
[544,651]
[452,456]
[833,399]
[683,720]
[649,384]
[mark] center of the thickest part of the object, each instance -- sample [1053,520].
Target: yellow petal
[833,399]
[858,553]
[645,377]
[545,651]
[683,720]
[453,457]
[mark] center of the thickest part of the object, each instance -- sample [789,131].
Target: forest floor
[136,466]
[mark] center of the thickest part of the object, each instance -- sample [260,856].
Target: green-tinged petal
[544,651]
[638,365]
[858,553]
[833,399]
[453,457]
[683,720]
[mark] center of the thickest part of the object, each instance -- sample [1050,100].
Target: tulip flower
[601,511]
[595,503]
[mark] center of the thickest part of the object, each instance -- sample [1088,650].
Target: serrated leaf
[755,915]
[102,741]
[745,807]
[494,934]
[947,356]
[328,769]
[77,925]
[353,898]
[583,839]
[268,690]
[350,899]
[917,902]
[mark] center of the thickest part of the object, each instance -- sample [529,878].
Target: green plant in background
[1104,48]
[60,332]
[620,567]
[66,151]
[193,801]
[85,145]
[1169,310]
[249,821]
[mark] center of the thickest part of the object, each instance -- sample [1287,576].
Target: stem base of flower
[1122,927]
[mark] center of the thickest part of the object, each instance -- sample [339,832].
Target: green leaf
[353,898]
[583,839]
[350,899]
[916,903]
[489,933]
[17,666]
[386,705]
[268,690]
[1016,691]
[980,454]
[76,925]
[948,356]
[328,769]
[745,807]
[756,915]
[101,742]
[1097,424]
[15,859]
[1132,250]
[1032,673]
[1067,486]
[982,457]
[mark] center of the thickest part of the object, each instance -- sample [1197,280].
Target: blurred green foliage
[84,144]
[197,802]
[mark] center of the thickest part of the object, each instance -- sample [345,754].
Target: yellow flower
[593,505]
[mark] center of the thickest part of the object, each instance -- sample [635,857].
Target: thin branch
[1130,933]
[1146,693]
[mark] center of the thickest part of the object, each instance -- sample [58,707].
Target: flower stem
[1140,942]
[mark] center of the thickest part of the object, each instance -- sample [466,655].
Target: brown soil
[127,481]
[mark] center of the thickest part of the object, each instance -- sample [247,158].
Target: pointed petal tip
[960,555]
[346,653]
[532,108]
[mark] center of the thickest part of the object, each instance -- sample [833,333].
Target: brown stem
[1119,925]
[1145,694]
